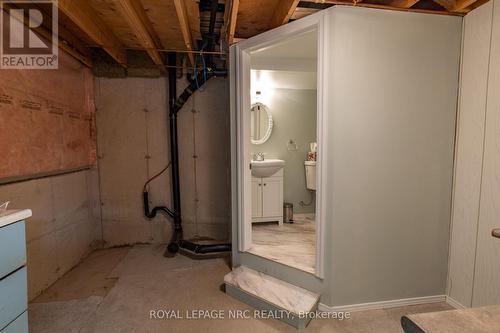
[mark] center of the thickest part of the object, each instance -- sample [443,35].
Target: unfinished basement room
[249,166]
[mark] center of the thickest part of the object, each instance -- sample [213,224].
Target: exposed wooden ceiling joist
[284,12]
[232,20]
[134,14]
[180,8]
[87,20]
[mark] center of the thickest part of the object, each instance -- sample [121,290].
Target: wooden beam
[283,12]
[232,21]
[180,8]
[136,17]
[87,20]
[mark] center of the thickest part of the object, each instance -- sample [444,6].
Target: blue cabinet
[13,297]
[12,248]
[13,279]
[19,325]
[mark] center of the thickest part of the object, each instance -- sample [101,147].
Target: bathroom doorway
[280,139]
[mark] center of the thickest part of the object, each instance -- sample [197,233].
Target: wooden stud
[134,14]
[87,20]
[180,8]
[283,12]
[232,20]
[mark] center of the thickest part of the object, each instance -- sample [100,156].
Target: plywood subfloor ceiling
[158,26]
[251,17]
[120,26]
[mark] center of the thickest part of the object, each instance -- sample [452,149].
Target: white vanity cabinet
[267,198]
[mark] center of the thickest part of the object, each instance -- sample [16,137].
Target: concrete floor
[114,291]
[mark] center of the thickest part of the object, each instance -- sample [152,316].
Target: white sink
[266,168]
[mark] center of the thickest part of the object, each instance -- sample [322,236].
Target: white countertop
[11,216]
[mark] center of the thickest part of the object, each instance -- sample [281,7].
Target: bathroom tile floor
[146,281]
[292,244]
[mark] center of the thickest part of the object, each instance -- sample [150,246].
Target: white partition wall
[486,288]
[469,153]
[390,83]
[392,97]
[474,274]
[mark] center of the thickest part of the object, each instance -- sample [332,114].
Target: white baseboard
[383,304]
[454,303]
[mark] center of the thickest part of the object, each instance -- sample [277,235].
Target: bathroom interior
[283,126]
[250,166]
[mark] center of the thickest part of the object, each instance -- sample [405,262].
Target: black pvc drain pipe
[174,106]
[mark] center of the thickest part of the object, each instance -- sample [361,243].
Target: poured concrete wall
[64,226]
[133,145]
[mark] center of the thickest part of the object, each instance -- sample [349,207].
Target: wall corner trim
[454,303]
[385,304]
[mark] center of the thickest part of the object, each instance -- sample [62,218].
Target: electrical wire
[155,176]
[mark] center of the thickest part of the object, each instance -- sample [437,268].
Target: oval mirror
[261,123]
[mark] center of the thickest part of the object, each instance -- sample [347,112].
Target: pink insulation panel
[47,119]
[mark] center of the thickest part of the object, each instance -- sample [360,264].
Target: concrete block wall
[63,228]
[133,145]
